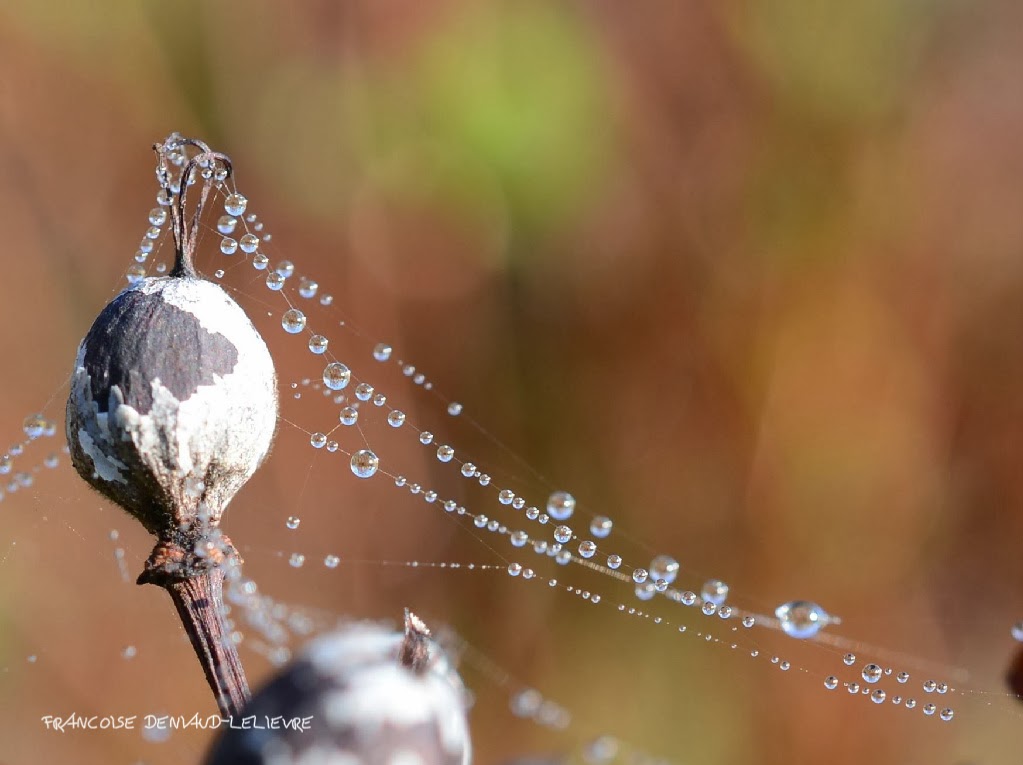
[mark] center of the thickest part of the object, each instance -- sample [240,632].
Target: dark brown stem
[196,585]
[200,605]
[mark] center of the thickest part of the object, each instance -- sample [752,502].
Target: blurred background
[744,276]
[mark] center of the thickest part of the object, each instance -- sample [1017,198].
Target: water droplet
[853,688]
[748,621]
[831,682]
[318,344]
[614,561]
[382,352]
[364,463]
[519,538]
[445,453]
[234,204]
[396,418]
[645,590]
[878,696]
[307,288]
[849,659]
[285,268]
[318,440]
[505,496]
[664,567]
[587,548]
[336,375]
[274,281]
[331,561]
[640,575]
[714,591]
[871,673]
[708,608]
[601,526]
[1017,631]
[293,522]
[135,273]
[296,560]
[426,438]
[157,216]
[228,246]
[248,243]
[946,714]
[128,652]
[801,619]
[293,321]
[260,262]
[526,703]
[902,677]
[364,391]
[929,686]
[454,409]
[929,709]
[225,224]
[560,505]
[349,415]
[34,426]
[514,569]
[563,534]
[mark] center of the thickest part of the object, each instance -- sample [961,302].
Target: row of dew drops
[798,619]
[275,621]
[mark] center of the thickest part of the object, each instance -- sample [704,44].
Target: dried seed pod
[173,406]
[371,695]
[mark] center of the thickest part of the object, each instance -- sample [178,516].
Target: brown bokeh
[747,277]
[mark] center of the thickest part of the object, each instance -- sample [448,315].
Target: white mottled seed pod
[173,401]
[371,695]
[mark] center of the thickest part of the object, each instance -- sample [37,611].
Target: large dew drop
[336,375]
[365,463]
[560,505]
[664,567]
[235,204]
[293,321]
[801,618]
[601,526]
[714,591]
[872,673]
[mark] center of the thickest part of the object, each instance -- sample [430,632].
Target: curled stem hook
[186,233]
